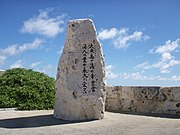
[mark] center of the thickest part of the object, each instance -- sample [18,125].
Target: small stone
[80,87]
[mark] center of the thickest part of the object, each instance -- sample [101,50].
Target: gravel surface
[42,123]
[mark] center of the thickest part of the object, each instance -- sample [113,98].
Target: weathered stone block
[127,92]
[80,87]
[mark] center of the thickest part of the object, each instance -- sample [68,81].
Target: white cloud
[2,59]
[107,34]
[144,65]
[109,73]
[164,65]
[127,76]
[136,76]
[172,78]
[167,60]
[121,38]
[49,69]
[17,49]
[168,46]
[44,25]
[166,56]
[35,64]
[9,51]
[17,64]
[31,46]
[175,78]
[123,41]
[140,76]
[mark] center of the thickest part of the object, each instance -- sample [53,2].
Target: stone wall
[164,100]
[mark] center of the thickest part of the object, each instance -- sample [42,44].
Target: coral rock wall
[164,100]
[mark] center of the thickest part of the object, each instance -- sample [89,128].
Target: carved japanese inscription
[88,72]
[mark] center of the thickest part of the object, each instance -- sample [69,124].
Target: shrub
[26,90]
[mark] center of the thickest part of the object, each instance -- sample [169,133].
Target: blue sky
[140,39]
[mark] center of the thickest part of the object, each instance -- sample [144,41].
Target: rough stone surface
[164,100]
[80,87]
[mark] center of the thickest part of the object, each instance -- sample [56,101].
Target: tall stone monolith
[80,87]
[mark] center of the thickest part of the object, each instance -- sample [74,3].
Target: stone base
[84,108]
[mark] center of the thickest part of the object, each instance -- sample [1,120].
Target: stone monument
[80,87]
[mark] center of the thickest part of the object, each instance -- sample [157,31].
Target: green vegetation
[26,90]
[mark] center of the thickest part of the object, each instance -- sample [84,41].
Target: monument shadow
[36,121]
[159,115]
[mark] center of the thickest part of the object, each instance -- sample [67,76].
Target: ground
[42,122]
